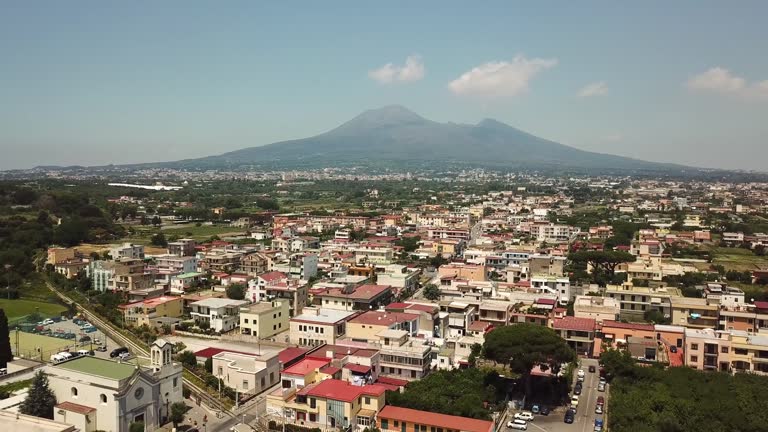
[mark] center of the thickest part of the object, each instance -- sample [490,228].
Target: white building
[99,394]
[222,314]
[127,250]
[554,285]
[247,373]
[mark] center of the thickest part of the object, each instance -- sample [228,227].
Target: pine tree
[40,399]
[6,354]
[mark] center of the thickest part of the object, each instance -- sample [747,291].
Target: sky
[94,82]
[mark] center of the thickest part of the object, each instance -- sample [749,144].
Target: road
[585,415]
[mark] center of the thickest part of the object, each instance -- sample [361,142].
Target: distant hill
[394,133]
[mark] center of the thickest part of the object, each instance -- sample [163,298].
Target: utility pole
[8,268]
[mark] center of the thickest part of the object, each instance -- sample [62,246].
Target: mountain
[396,134]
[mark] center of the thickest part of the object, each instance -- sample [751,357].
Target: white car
[124,355]
[524,415]
[518,424]
[580,373]
[47,321]
[574,401]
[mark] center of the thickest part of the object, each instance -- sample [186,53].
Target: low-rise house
[247,373]
[182,247]
[397,419]
[70,269]
[329,404]
[147,312]
[400,277]
[363,297]
[579,333]
[317,326]
[127,250]
[265,319]
[183,282]
[59,255]
[221,314]
[694,312]
[366,326]
[403,356]
[598,308]
[634,301]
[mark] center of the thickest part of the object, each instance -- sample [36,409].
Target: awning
[366,413]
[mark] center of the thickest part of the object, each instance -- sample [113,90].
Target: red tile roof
[761,304]
[77,408]
[273,276]
[361,369]
[392,381]
[210,352]
[289,354]
[305,366]
[343,391]
[330,370]
[546,301]
[576,324]
[444,421]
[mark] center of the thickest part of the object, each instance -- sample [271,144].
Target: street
[585,414]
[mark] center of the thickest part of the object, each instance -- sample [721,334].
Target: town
[309,302]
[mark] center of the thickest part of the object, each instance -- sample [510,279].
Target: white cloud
[412,70]
[594,89]
[500,78]
[722,81]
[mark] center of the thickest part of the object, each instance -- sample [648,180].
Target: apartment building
[460,316]
[349,298]
[561,286]
[696,313]
[402,356]
[472,272]
[127,250]
[750,318]
[257,263]
[295,291]
[265,319]
[578,333]
[317,326]
[129,274]
[373,253]
[448,233]
[182,247]
[598,308]
[400,277]
[495,312]
[706,349]
[247,373]
[221,314]
[172,264]
[147,311]
[546,265]
[634,300]
[552,233]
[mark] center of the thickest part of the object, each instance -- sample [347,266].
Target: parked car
[601,387]
[3,371]
[102,348]
[85,339]
[544,410]
[47,321]
[518,424]
[574,401]
[599,409]
[602,380]
[570,416]
[535,409]
[598,425]
[124,355]
[592,369]
[524,415]
[117,351]
[600,400]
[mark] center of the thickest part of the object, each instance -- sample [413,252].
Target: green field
[19,308]
[738,259]
[143,235]
[29,343]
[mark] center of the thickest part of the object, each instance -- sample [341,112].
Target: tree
[187,358]
[475,350]
[178,409]
[6,354]
[602,262]
[656,317]
[40,400]
[136,427]
[156,221]
[159,240]
[525,346]
[236,291]
[209,365]
[617,363]
[431,292]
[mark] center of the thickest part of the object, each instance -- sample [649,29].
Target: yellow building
[146,311]
[265,319]
[329,404]
[367,326]
[60,255]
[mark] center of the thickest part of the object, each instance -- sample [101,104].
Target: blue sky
[93,82]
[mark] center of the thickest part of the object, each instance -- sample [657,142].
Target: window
[397,423]
[313,417]
[724,350]
[263,381]
[245,320]
[221,371]
[74,392]
[694,359]
[368,402]
[384,424]
[271,377]
[139,393]
[245,384]
[103,398]
[313,403]
[175,382]
[694,346]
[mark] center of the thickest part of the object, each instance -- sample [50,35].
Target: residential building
[598,308]
[472,272]
[14,421]
[70,269]
[706,349]
[634,301]
[98,394]
[397,419]
[265,319]
[221,314]
[146,311]
[366,326]
[400,277]
[101,274]
[579,333]
[546,265]
[302,266]
[247,373]
[127,250]
[329,404]
[460,316]
[59,255]
[172,264]
[495,312]
[183,282]
[750,318]
[561,286]
[723,294]
[552,233]
[316,326]
[182,247]
[694,312]
[257,263]
[296,292]
[403,356]
[618,333]
[309,370]
[350,297]
[130,274]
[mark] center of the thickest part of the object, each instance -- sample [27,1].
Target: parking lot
[83,339]
[584,420]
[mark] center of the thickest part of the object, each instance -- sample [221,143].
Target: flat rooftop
[99,367]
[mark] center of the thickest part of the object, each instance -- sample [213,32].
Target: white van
[57,358]
[518,424]
[81,353]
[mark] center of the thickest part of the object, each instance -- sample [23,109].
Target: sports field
[19,308]
[32,345]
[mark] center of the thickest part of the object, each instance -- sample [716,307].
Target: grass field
[19,308]
[201,232]
[738,259]
[29,344]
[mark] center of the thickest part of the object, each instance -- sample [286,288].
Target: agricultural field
[738,259]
